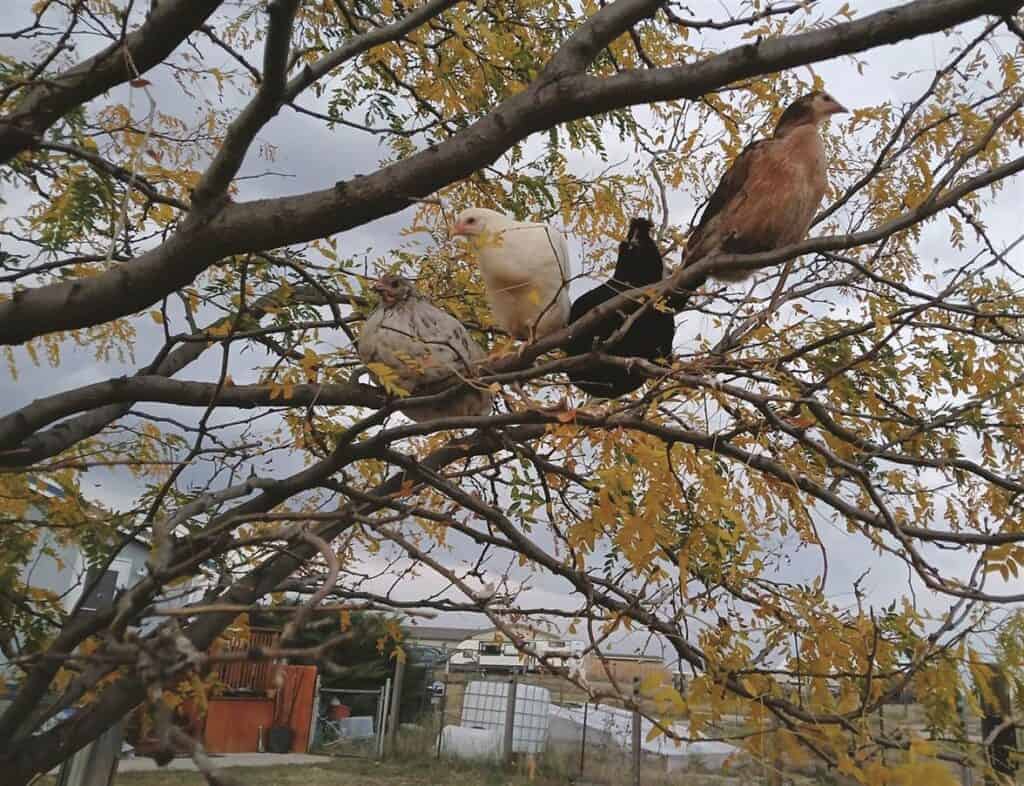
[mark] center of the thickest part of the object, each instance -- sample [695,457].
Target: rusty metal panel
[256,675]
[232,725]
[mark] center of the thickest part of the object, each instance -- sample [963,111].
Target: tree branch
[43,751]
[125,176]
[168,24]
[595,34]
[167,363]
[271,223]
[264,105]
[21,424]
[361,43]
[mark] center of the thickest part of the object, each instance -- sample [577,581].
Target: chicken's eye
[471,221]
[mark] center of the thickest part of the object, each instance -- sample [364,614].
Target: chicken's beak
[839,109]
[458,229]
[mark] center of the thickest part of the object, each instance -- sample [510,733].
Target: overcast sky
[310,156]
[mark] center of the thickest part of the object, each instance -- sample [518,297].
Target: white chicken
[525,267]
[424,348]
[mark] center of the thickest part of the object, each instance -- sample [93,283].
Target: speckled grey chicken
[427,350]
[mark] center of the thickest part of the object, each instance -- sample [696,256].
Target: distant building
[442,638]
[494,650]
[490,649]
[524,632]
[61,569]
[623,667]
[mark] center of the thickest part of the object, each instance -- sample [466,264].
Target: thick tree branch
[19,425]
[594,35]
[169,23]
[264,105]
[265,224]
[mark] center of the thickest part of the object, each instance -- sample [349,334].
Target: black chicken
[650,336]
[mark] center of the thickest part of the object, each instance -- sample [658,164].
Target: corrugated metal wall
[249,675]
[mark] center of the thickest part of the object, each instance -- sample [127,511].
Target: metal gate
[351,721]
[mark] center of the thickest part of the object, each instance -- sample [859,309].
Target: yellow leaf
[162,214]
[650,683]
[387,378]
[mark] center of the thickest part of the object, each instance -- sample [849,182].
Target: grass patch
[340,772]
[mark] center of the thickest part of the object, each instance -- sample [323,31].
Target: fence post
[395,716]
[96,763]
[966,773]
[443,705]
[636,731]
[774,775]
[997,722]
[881,727]
[383,702]
[583,738]
[510,721]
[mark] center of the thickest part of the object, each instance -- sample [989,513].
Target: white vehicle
[558,654]
[466,655]
[489,655]
[503,656]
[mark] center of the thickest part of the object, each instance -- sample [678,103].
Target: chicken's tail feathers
[561,246]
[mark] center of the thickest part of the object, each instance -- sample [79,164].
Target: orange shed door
[232,725]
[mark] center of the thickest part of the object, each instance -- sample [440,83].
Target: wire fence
[583,741]
[595,744]
[351,722]
[538,722]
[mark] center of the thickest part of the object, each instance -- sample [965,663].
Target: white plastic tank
[484,704]
[466,743]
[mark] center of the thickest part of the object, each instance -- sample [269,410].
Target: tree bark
[169,23]
[271,223]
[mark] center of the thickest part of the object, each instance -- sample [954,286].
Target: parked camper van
[558,653]
[473,654]
[489,656]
